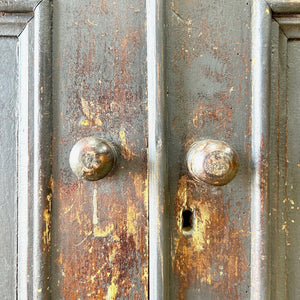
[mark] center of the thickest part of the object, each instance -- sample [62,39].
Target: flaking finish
[100,229]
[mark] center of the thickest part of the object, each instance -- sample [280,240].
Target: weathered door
[184,94]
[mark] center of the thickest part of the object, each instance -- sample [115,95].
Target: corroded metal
[212,161]
[92,158]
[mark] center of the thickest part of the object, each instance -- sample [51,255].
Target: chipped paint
[112,292]
[101,228]
[126,150]
[88,110]
[103,232]
[95,207]
[212,246]
[47,214]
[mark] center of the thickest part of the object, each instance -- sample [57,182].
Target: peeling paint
[214,244]
[47,215]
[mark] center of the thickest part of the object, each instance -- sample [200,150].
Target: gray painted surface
[159,247]
[293,171]
[208,88]
[8,166]
[277,165]
[25,133]
[284,245]
[260,72]
[100,88]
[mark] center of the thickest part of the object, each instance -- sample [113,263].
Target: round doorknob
[214,162]
[92,158]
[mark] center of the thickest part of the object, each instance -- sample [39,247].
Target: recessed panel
[8,165]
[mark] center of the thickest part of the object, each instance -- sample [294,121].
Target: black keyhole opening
[187,220]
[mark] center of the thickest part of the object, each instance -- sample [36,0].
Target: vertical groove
[158,252]
[23,165]
[261,25]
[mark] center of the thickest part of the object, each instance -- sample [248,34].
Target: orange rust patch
[88,109]
[101,260]
[126,147]
[219,113]
[101,228]
[213,254]
[47,215]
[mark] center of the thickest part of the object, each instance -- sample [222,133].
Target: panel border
[285,13]
[30,22]
[159,247]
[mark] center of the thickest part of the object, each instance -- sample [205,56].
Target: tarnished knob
[92,158]
[212,161]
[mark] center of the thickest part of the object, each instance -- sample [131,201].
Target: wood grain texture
[208,97]
[100,229]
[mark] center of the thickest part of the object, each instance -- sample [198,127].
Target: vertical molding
[158,224]
[261,27]
[42,128]
[23,167]
[34,148]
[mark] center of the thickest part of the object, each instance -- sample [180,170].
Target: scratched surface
[99,229]
[208,77]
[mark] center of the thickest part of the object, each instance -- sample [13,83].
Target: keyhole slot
[187,221]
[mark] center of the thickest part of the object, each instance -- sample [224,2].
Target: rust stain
[47,214]
[126,147]
[208,86]
[88,109]
[213,254]
[105,256]
[103,232]
[218,113]
[102,229]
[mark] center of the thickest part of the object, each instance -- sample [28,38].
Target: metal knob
[92,158]
[214,162]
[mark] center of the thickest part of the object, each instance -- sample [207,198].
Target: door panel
[293,171]
[152,78]
[25,160]
[208,82]
[8,161]
[100,229]
[284,158]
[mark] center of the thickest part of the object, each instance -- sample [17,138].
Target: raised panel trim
[286,14]
[289,24]
[20,6]
[260,72]
[30,23]
[159,248]
[284,6]
[13,24]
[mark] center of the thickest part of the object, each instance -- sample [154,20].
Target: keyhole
[187,221]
